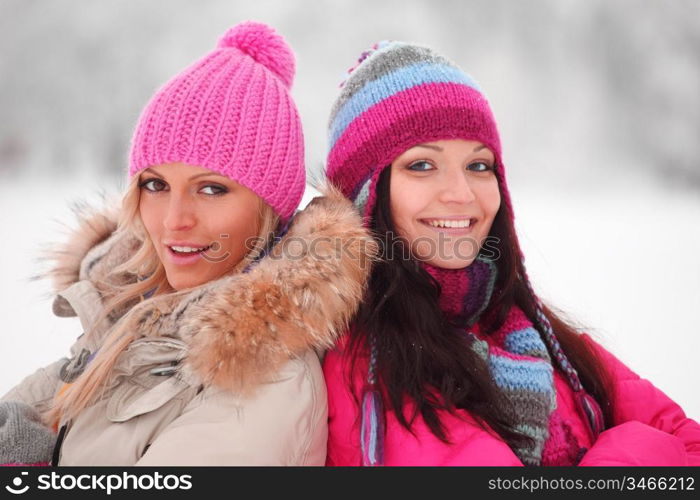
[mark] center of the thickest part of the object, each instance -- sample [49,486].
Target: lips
[184,253]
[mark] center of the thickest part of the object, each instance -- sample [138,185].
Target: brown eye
[153,185]
[214,189]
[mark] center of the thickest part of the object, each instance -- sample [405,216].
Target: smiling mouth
[449,223]
[177,250]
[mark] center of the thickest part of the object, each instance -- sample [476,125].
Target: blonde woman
[200,325]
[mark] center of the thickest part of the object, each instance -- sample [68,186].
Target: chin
[181,282]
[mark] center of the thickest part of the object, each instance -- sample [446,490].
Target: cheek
[493,202]
[238,229]
[490,201]
[405,205]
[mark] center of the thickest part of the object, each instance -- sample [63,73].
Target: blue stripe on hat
[393,83]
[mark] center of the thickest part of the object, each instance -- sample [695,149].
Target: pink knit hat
[231,112]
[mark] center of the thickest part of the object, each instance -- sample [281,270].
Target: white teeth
[461,224]
[187,249]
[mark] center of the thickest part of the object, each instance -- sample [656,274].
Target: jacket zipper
[59,442]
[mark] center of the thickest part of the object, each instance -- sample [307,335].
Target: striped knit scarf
[518,360]
[517,357]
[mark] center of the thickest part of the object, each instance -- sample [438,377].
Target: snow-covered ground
[620,259]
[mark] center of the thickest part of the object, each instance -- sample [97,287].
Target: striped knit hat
[399,95]
[231,112]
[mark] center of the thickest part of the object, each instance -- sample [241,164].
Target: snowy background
[597,103]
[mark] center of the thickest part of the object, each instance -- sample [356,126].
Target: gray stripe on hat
[383,61]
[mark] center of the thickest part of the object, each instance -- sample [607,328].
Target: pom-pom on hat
[231,112]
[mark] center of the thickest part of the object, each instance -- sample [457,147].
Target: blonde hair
[150,276]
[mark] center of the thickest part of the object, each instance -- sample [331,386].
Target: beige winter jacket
[227,375]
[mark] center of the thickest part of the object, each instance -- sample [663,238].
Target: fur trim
[243,327]
[93,228]
[92,251]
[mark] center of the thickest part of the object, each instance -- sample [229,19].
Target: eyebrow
[428,146]
[438,148]
[191,178]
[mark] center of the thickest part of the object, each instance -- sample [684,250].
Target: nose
[180,215]
[456,187]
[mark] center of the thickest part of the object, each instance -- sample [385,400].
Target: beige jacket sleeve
[37,389]
[284,423]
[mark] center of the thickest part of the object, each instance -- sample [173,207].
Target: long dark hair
[421,356]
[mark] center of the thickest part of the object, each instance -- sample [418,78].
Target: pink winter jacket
[648,428]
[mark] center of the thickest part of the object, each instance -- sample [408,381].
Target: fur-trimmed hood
[240,328]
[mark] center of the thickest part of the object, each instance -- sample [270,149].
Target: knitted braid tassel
[587,405]
[372,425]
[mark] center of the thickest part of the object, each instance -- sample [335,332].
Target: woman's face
[199,221]
[444,196]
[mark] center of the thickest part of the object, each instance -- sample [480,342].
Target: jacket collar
[240,328]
